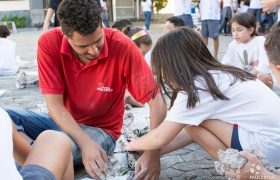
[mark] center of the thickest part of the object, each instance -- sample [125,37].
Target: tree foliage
[159,4]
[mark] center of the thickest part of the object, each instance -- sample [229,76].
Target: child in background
[50,157]
[228,13]
[172,23]
[255,9]
[144,42]
[122,25]
[243,7]
[247,51]
[104,13]
[218,106]
[146,10]
[8,62]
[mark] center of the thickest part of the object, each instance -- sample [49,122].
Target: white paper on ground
[3,91]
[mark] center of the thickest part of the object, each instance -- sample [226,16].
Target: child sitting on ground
[216,105]
[8,62]
[144,42]
[247,51]
[50,158]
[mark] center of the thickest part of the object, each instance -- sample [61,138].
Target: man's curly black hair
[4,31]
[82,16]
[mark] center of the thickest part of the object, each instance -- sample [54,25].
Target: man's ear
[277,67]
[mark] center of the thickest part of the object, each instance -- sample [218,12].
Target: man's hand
[95,159]
[249,169]
[148,166]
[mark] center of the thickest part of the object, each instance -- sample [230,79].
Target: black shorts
[235,143]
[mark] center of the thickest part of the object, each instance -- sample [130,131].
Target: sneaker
[144,27]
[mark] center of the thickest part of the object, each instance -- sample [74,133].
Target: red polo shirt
[94,93]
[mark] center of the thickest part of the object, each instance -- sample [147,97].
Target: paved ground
[190,162]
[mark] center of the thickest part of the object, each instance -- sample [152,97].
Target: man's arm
[94,157]
[245,173]
[148,166]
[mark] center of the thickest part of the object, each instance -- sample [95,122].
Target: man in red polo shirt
[84,70]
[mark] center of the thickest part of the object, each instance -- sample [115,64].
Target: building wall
[33,10]
[13,5]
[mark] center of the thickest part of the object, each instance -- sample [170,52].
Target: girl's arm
[21,147]
[181,140]
[157,138]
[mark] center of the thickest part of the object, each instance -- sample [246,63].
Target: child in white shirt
[8,63]
[247,51]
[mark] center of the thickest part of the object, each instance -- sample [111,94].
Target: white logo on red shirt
[104,89]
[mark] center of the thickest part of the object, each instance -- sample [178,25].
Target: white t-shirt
[251,105]
[8,62]
[255,4]
[8,168]
[210,10]
[148,57]
[103,4]
[146,5]
[226,3]
[257,57]
[182,7]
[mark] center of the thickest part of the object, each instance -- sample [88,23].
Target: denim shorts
[33,123]
[35,172]
[210,28]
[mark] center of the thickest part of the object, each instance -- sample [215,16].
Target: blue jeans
[148,19]
[34,123]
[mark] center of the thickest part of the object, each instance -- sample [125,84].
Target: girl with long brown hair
[217,106]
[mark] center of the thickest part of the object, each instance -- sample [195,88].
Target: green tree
[159,4]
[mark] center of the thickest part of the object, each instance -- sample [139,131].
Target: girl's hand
[130,145]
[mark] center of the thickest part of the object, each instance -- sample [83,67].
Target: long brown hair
[180,58]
